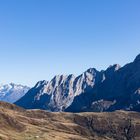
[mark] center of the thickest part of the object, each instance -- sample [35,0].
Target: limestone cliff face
[59,93]
[113,89]
[119,90]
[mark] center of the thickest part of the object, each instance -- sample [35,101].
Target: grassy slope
[19,124]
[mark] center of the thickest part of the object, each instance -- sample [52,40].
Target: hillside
[19,124]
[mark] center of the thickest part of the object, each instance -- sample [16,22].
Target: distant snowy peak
[12,92]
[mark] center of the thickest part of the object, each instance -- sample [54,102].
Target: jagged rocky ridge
[109,90]
[59,93]
[12,92]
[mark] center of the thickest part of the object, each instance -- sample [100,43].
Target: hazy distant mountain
[112,89]
[12,92]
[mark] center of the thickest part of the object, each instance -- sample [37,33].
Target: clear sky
[42,38]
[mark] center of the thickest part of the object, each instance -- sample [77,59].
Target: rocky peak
[92,70]
[62,89]
[41,83]
[137,59]
[114,67]
[111,70]
[65,91]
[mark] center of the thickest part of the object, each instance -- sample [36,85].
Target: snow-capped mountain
[112,89]
[12,92]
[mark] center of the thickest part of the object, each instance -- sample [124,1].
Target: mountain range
[12,92]
[112,89]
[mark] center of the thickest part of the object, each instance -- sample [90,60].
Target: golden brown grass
[19,124]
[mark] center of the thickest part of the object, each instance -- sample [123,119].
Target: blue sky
[42,38]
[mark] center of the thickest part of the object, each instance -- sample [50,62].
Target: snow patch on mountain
[12,92]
